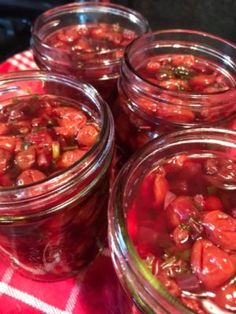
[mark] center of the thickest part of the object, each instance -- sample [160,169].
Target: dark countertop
[213,16]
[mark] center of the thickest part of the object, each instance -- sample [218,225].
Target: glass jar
[155,96]
[137,267]
[51,229]
[91,59]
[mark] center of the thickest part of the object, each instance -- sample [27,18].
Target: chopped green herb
[211,190]
[116,28]
[184,226]
[166,73]
[15,100]
[182,73]
[35,97]
[184,255]
[25,145]
[55,150]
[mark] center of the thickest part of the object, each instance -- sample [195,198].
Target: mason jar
[56,146]
[172,223]
[87,41]
[172,80]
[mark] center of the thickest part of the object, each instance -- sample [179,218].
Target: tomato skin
[193,305]
[29,176]
[213,202]
[226,297]
[116,38]
[70,118]
[153,66]
[44,157]
[200,81]
[212,266]
[147,105]
[26,158]
[176,114]
[174,85]
[180,210]
[81,44]
[132,223]
[87,135]
[98,32]
[70,157]
[5,180]
[181,236]
[160,188]
[183,60]
[5,157]
[169,283]
[4,128]
[8,143]
[40,138]
[220,229]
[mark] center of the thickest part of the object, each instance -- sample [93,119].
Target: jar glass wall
[54,185]
[185,179]
[87,41]
[172,80]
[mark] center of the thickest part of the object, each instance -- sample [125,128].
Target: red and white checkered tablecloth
[96,291]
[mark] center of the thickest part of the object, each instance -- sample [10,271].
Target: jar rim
[85,7]
[147,35]
[119,240]
[84,88]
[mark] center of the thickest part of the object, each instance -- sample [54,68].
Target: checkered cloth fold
[95,291]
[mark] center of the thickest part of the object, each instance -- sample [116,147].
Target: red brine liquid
[41,136]
[182,221]
[183,91]
[186,73]
[93,51]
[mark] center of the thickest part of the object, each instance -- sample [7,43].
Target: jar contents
[91,38]
[185,91]
[182,221]
[186,73]
[41,136]
[94,52]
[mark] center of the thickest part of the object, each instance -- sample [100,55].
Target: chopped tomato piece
[87,135]
[5,157]
[26,159]
[181,236]
[4,128]
[201,81]
[160,188]
[213,202]
[186,60]
[70,157]
[175,85]
[180,210]
[213,266]
[44,158]
[220,229]
[176,114]
[193,305]
[226,297]
[30,176]
[70,118]
[169,283]
[5,180]
[153,66]
[8,143]
[81,44]
[40,138]
[132,223]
